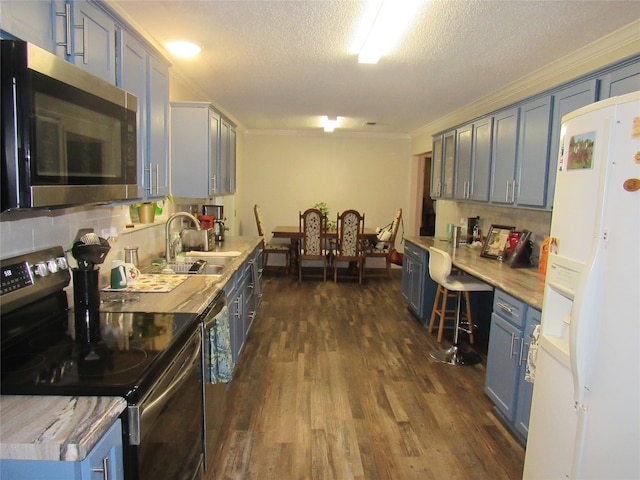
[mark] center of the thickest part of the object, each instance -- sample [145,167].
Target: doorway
[428,219]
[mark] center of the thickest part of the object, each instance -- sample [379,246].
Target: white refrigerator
[585,414]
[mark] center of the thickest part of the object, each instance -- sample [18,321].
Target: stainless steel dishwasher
[217,369]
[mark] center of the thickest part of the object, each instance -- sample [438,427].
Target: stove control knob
[41,269]
[52,266]
[62,263]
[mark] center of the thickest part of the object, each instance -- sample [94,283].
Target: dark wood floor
[336,383]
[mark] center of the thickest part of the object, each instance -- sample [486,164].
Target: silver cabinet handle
[85,42]
[511,350]
[67,29]
[504,307]
[105,468]
[522,352]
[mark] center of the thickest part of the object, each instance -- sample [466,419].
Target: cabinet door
[223,158]
[214,152]
[464,138]
[132,76]
[231,173]
[34,22]
[565,101]
[503,369]
[448,165]
[158,127]
[190,150]
[94,40]
[436,168]
[621,81]
[106,454]
[533,153]
[481,160]
[525,388]
[503,165]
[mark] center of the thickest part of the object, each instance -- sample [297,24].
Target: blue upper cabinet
[464,143]
[620,81]
[565,101]
[157,161]
[436,167]
[503,163]
[448,163]
[34,22]
[530,189]
[94,41]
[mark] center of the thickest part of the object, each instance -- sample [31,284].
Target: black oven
[68,137]
[153,360]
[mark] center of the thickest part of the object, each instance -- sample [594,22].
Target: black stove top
[133,347]
[41,354]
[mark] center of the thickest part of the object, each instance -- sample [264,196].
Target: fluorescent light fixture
[383,27]
[330,123]
[183,49]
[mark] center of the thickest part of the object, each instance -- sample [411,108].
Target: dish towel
[218,359]
[257,286]
[532,357]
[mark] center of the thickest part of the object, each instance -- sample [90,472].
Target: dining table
[294,234]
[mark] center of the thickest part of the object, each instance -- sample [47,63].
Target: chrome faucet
[169,243]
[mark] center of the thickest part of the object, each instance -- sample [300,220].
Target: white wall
[288,172]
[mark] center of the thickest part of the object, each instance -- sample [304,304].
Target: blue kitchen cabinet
[565,101]
[532,163]
[107,453]
[525,388]
[481,160]
[413,278]
[156,163]
[195,134]
[34,22]
[473,160]
[620,81]
[504,151]
[232,161]
[512,323]
[436,167]
[442,165]
[464,162]
[93,34]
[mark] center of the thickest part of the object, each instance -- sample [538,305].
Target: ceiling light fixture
[382,28]
[330,123]
[183,49]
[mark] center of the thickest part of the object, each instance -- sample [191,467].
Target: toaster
[202,240]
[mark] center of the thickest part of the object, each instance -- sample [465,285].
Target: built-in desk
[525,284]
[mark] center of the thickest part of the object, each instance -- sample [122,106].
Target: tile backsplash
[26,231]
[538,222]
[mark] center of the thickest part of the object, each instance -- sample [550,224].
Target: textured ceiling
[283,64]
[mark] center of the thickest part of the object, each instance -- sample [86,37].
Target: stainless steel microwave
[68,137]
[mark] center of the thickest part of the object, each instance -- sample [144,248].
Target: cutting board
[156,283]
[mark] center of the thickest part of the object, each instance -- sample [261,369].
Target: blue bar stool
[440,271]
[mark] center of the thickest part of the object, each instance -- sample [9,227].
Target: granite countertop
[191,296]
[58,428]
[525,284]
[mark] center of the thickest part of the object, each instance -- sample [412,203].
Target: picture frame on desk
[520,256]
[496,241]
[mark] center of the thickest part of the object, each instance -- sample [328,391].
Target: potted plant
[322,206]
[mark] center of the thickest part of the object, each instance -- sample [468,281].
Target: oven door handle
[176,382]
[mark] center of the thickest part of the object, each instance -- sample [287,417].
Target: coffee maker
[217,212]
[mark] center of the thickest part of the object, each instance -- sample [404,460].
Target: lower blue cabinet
[107,453]
[512,325]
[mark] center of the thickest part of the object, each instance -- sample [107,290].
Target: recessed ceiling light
[183,49]
[330,123]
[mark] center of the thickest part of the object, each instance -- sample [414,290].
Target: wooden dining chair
[271,248]
[385,251]
[313,246]
[349,243]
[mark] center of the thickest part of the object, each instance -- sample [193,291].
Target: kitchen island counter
[526,284]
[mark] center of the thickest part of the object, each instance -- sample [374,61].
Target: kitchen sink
[211,258]
[182,268]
